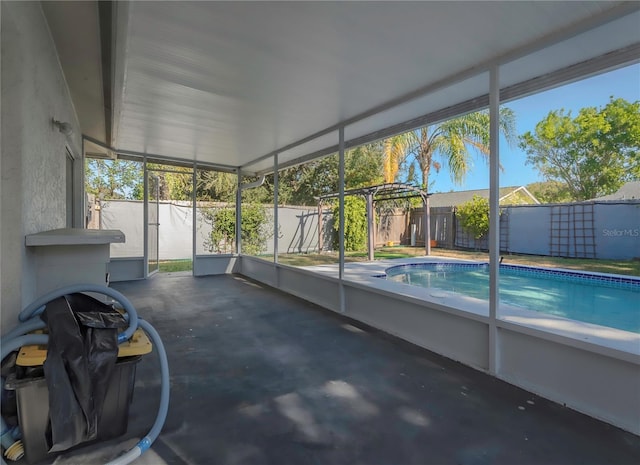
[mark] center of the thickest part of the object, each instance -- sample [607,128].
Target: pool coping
[609,280]
[367,274]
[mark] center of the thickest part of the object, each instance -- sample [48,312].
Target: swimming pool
[605,300]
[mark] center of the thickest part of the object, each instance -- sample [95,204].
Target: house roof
[453,199]
[232,83]
[629,191]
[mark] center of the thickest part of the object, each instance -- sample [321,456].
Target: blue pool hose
[30,321]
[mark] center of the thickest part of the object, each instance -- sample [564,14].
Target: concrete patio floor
[261,377]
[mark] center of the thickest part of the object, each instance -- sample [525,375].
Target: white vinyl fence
[298,229]
[603,230]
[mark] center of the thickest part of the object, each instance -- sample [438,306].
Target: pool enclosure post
[194,217]
[275,208]
[371,241]
[341,216]
[427,226]
[145,216]
[239,212]
[494,215]
[320,226]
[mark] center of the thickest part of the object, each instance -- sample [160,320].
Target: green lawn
[167,266]
[624,267]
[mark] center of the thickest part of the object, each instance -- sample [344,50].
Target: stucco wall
[33,186]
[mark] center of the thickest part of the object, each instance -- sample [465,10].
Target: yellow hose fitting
[15,452]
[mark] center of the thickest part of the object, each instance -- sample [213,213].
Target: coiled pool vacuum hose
[30,321]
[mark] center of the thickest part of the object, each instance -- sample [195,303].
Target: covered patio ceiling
[229,84]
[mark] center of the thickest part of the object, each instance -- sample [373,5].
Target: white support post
[275,208]
[494,216]
[320,226]
[194,228]
[145,216]
[341,215]
[82,200]
[239,214]
[427,226]
[370,227]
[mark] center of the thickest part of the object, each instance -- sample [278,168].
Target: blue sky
[595,91]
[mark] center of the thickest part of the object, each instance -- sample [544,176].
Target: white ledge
[75,236]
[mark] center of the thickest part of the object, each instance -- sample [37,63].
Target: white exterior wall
[33,187]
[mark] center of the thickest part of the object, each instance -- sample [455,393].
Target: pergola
[387,191]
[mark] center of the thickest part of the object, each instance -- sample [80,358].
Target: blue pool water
[612,301]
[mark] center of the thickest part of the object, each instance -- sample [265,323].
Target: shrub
[257,228]
[474,216]
[355,224]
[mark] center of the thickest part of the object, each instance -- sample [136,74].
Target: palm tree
[451,140]
[395,150]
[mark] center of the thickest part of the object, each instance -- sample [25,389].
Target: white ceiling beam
[584,25]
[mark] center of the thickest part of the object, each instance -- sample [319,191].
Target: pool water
[592,298]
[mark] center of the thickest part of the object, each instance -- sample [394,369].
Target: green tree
[175,185]
[550,191]
[395,149]
[216,185]
[355,224]
[451,141]
[474,216]
[303,184]
[113,179]
[364,166]
[257,229]
[210,185]
[289,183]
[311,180]
[222,237]
[593,154]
